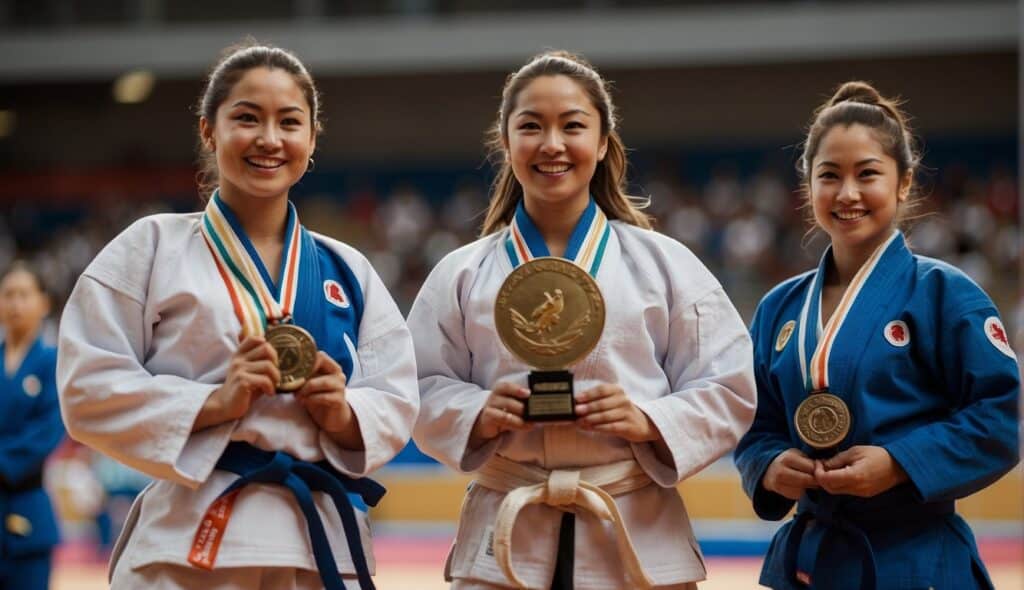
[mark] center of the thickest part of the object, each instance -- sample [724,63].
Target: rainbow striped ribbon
[586,245]
[818,372]
[256,300]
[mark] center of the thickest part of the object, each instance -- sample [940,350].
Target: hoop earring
[312,165]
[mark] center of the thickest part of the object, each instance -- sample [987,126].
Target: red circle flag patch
[335,294]
[897,333]
[996,334]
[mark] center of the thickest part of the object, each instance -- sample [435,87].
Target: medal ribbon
[256,300]
[816,376]
[586,245]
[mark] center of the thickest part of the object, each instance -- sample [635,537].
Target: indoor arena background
[97,128]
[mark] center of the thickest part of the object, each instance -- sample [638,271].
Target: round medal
[296,354]
[822,420]
[549,312]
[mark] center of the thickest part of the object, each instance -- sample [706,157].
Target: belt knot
[562,486]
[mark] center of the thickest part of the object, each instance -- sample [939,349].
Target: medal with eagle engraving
[550,314]
[822,420]
[296,354]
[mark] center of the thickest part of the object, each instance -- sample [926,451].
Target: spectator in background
[30,429]
[887,386]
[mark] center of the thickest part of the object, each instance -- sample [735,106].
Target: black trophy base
[550,397]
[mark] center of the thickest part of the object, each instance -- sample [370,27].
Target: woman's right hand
[503,411]
[790,473]
[252,372]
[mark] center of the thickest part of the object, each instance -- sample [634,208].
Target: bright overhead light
[6,123]
[133,87]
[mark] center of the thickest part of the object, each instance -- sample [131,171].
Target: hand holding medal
[296,355]
[323,395]
[550,313]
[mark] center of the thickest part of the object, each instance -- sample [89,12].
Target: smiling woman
[898,393]
[183,335]
[666,390]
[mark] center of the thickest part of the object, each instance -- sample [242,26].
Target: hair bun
[857,91]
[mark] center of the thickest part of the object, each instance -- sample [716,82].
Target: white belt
[591,488]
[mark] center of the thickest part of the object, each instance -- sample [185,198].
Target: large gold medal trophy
[296,354]
[550,314]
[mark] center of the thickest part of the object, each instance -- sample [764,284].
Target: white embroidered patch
[335,294]
[996,334]
[897,333]
[31,385]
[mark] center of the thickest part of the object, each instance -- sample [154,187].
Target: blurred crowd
[750,229]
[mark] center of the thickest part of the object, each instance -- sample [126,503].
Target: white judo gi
[146,337]
[672,340]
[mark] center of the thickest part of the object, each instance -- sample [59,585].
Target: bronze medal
[296,354]
[550,314]
[822,420]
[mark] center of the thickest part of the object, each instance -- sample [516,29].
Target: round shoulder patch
[897,333]
[335,294]
[783,338]
[31,385]
[996,334]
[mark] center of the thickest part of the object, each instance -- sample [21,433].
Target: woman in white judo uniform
[667,389]
[173,354]
[887,388]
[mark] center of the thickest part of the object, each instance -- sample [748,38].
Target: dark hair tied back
[859,103]
[235,61]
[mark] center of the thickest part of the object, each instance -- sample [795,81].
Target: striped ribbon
[586,245]
[257,301]
[818,370]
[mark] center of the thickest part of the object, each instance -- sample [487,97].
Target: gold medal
[296,354]
[549,312]
[822,420]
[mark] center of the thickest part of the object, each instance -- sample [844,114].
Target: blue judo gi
[925,366]
[30,429]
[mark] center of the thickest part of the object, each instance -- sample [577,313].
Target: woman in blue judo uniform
[887,388]
[30,429]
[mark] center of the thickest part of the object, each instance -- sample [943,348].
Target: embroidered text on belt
[302,478]
[590,488]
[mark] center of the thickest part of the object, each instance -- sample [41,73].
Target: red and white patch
[996,334]
[32,386]
[897,333]
[335,294]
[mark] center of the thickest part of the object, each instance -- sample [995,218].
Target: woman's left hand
[863,471]
[605,408]
[323,396]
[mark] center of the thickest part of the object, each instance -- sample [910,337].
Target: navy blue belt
[255,465]
[834,514]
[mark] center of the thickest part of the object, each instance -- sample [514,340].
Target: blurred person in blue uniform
[30,429]
[887,388]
